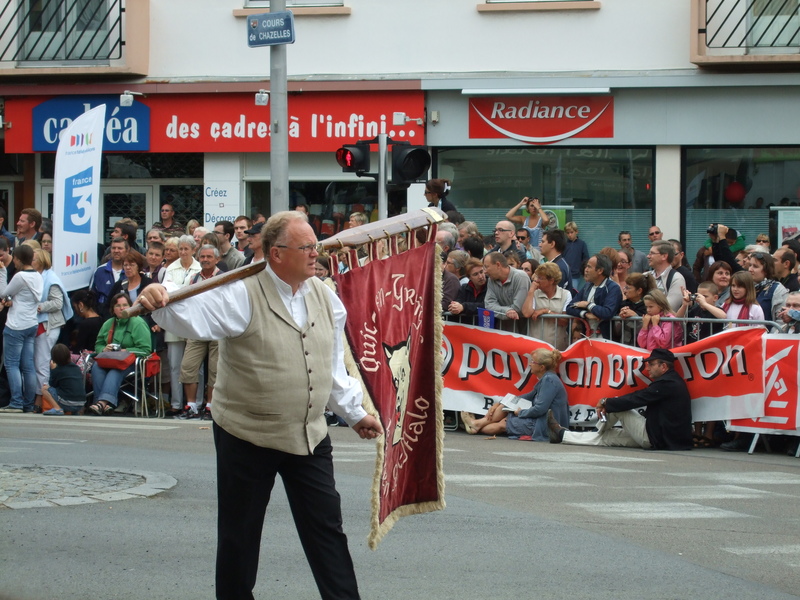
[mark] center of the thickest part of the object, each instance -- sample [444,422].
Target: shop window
[603,190]
[753,190]
[143,165]
[187,200]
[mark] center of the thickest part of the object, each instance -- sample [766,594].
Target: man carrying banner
[280,362]
[667,424]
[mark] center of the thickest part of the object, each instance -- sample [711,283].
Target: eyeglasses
[623,262]
[307,249]
[521,238]
[762,241]
[498,229]
[654,233]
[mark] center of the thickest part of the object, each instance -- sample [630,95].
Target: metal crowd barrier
[621,330]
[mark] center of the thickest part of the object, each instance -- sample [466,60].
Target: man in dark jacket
[667,424]
[600,299]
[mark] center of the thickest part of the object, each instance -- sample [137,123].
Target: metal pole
[279,118]
[383,162]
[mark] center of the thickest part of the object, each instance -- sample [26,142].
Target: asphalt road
[522,519]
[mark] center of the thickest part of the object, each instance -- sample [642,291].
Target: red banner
[724,373]
[782,388]
[392,307]
[318,121]
[541,119]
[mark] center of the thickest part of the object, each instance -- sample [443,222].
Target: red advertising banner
[782,388]
[724,373]
[392,306]
[541,119]
[318,121]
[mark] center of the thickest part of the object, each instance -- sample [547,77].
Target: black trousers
[245,477]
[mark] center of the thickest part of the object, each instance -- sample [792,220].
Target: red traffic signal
[353,159]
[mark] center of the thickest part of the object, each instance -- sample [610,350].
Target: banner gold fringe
[379,530]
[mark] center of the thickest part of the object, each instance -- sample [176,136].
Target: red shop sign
[542,119]
[318,122]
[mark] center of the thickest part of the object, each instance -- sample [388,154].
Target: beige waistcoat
[274,380]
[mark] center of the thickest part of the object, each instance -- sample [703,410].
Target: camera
[712,229]
[693,297]
[8,298]
[114,347]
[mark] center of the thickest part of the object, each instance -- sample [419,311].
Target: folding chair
[146,386]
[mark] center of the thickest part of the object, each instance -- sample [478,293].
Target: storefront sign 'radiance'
[541,119]
[318,122]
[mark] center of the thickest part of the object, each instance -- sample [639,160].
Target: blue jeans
[106,382]
[18,346]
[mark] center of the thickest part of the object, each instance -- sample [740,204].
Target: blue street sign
[270,29]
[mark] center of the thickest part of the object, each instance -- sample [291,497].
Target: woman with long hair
[54,311]
[770,294]
[549,393]
[742,303]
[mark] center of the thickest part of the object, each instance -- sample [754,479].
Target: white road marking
[69,422]
[553,467]
[657,510]
[745,478]
[576,457]
[509,481]
[707,492]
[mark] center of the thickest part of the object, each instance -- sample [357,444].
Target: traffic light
[353,159]
[410,164]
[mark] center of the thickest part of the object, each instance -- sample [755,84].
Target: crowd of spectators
[530,276]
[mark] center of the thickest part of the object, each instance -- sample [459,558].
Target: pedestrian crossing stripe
[656,511]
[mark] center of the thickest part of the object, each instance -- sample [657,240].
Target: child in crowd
[742,304]
[636,287]
[656,333]
[701,305]
[65,392]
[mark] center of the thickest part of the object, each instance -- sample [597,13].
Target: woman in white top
[179,274]
[22,294]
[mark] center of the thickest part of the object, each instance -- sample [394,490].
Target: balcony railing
[745,31]
[73,36]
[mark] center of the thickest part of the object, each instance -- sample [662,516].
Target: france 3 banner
[782,388]
[724,373]
[394,333]
[76,199]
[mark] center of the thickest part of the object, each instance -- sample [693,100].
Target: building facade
[616,114]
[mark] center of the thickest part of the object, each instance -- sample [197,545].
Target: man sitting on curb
[667,424]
